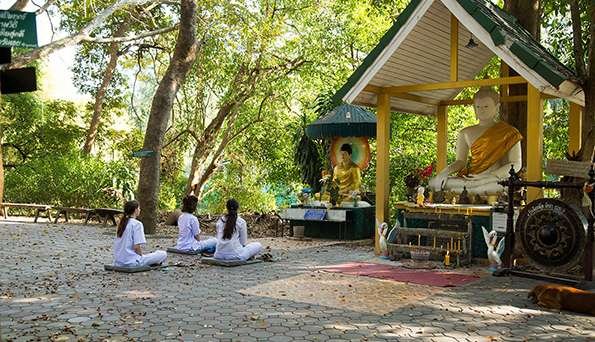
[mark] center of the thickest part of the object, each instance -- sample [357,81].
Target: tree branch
[18,148]
[186,131]
[577,37]
[83,34]
[45,7]
[19,5]
[130,38]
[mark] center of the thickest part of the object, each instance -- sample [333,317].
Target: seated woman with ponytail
[189,229]
[232,236]
[129,239]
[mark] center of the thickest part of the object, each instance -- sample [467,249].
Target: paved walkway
[53,287]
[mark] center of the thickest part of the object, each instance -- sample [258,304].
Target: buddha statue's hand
[474,176]
[472,180]
[438,181]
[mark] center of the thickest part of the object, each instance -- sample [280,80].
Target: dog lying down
[561,297]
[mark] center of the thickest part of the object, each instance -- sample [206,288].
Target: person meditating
[232,236]
[129,239]
[494,146]
[189,229]
[347,173]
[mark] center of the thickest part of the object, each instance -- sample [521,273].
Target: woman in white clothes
[232,236]
[189,229]
[129,240]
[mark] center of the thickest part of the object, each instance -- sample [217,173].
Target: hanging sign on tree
[18,29]
[143,154]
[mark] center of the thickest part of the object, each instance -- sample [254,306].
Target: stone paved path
[53,287]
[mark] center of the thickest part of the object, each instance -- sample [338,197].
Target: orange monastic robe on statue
[490,147]
[349,178]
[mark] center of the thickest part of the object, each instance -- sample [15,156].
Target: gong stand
[513,184]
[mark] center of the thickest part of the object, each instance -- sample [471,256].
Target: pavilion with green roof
[424,61]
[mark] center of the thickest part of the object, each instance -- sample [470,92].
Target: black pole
[509,242]
[588,262]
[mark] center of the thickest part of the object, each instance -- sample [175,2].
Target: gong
[552,233]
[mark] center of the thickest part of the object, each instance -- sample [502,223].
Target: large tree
[87,30]
[584,55]
[113,53]
[183,57]
[528,14]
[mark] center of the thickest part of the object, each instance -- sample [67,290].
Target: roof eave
[382,51]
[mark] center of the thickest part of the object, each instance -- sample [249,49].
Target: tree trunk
[528,15]
[204,147]
[19,5]
[205,159]
[105,82]
[184,56]
[588,84]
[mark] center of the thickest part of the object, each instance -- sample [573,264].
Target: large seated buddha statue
[494,147]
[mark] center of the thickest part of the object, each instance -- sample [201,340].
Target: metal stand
[514,183]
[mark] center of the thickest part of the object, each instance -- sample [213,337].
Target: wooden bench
[39,208]
[66,211]
[104,214]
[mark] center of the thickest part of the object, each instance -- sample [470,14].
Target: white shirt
[230,249]
[134,234]
[188,228]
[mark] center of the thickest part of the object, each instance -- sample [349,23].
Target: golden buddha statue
[347,173]
[494,147]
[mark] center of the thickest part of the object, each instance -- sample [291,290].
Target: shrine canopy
[417,51]
[344,121]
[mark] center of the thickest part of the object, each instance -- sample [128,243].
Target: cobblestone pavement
[53,287]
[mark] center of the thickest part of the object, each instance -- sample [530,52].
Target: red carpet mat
[388,272]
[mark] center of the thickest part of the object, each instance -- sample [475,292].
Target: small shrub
[71,180]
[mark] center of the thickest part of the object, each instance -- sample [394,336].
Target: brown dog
[561,297]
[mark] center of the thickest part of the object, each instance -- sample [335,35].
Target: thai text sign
[18,29]
[315,214]
[570,168]
[143,154]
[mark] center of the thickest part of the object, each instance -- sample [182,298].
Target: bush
[242,183]
[71,180]
[171,192]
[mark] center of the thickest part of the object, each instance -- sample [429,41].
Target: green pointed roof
[416,50]
[344,121]
[504,29]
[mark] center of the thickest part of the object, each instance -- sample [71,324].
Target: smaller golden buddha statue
[347,173]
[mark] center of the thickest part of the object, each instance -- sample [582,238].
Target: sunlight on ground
[135,294]
[29,300]
[361,294]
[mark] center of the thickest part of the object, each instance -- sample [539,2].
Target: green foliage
[555,130]
[42,157]
[557,30]
[242,183]
[171,192]
[307,158]
[70,180]
[267,162]
[38,128]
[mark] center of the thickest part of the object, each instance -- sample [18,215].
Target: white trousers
[243,253]
[154,258]
[205,245]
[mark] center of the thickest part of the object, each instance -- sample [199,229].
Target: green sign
[143,154]
[18,29]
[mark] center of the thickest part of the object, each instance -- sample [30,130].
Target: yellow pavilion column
[534,140]
[441,114]
[441,137]
[382,162]
[575,126]
[454,48]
